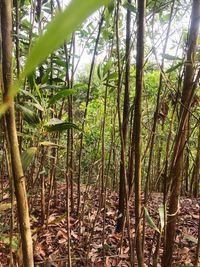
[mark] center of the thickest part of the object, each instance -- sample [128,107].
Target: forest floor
[51,242]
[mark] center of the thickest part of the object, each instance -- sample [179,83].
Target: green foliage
[173,68]
[29,115]
[6,239]
[150,220]
[61,94]
[27,157]
[67,21]
[75,13]
[130,7]
[53,126]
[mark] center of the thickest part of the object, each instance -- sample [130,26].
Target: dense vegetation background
[100,133]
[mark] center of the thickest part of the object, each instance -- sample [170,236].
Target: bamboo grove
[98,96]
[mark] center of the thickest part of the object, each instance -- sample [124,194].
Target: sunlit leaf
[161,210]
[67,22]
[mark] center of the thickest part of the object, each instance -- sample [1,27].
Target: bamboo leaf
[100,72]
[67,22]
[37,90]
[111,7]
[112,76]
[60,127]
[150,221]
[37,103]
[174,67]
[61,94]
[29,115]
[27,157]
[161,210]
[130,7]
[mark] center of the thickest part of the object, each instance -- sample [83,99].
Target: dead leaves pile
[94,243]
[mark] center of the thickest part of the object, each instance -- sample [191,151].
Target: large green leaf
[60,126]
[60,29]
[61,94]
[27,157]
[57,31]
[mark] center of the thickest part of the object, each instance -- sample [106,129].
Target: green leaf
[113,76]
[130,7]
[63,93]
[60,62]
[27,157]
[100,72]
[30,95]
[29,115]
[36,105]
[60,127]
[174,67]
[38,90]
[57,31]
[107,67]
[111,7]
[150,221]
[67,21]
[161,210]
[6,240]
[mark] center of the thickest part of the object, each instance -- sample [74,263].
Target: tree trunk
[125,122]
[18,175]
[137,126]
[189,85]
